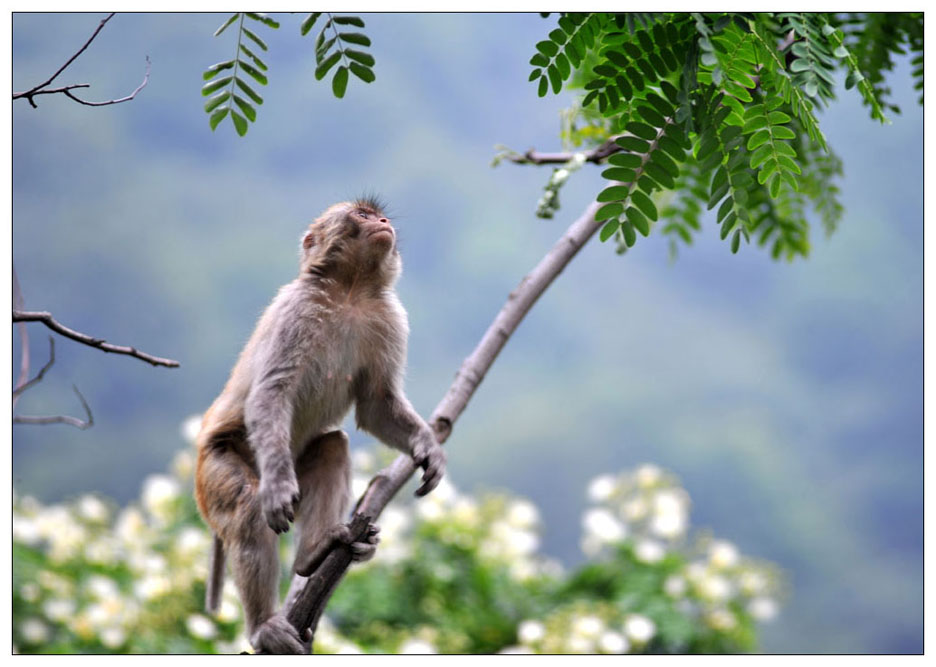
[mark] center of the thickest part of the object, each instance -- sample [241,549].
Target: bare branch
[18,304]
[596,155]
[129,97]
[41,89]
[62,419]
[308,596]
[23,386]
[99,343]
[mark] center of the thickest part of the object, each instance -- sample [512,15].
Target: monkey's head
[351,239]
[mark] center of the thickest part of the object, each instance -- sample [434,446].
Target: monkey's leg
[228,487]
[324,474]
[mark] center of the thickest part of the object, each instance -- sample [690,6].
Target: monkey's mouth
[380,230]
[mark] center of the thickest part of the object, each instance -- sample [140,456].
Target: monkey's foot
[366,548]
[277,635]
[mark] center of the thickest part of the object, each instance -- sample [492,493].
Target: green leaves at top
[567,47]
[224,101]
[332,47]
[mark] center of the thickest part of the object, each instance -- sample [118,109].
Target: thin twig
[67,91]
[99,343]
[62,419]
[308,596]
[23,386]
[41,89]
[19,304]
[596,155]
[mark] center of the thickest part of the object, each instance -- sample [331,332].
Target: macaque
[269,451]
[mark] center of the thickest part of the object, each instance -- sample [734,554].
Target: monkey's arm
[383,410]
[268,416]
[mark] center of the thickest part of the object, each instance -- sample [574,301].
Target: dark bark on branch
[308,596]
[23,386]
[596,155]
[61,419]
[99,343]
[41,89]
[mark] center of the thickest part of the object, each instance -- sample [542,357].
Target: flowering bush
[453,574]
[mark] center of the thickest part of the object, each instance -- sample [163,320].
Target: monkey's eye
[361,212]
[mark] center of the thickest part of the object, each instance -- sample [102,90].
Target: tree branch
[41,89]
[99,343]
[596,155]
[19,304]
[308,596]
[61,419]
[23,386]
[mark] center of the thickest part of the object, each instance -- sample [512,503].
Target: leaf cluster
[720,107]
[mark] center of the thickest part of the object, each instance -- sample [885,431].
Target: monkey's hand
[276,635]
[430,458]
[279,495]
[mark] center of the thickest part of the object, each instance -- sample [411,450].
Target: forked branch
[308,595]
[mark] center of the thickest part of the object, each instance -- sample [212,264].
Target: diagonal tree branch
[61,419]
[308,596]
[99,343]
[23,386]
[18,304]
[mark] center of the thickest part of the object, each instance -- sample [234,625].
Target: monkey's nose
[384,220]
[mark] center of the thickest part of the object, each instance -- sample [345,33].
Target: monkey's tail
[215,575]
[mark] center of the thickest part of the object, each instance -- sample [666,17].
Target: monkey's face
[370,229]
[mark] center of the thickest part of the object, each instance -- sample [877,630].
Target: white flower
[715,587]
[59,609]
[416,646]
[200,626]
[29,591]
[588,626]
[516,650]
[723,555]
[639,628]
[635,509]
[34,631]
[648,475]
[130,525]
[522,514]
[613,642]
[26,530]
[112,637]
[92,509]
[151,586]
[603,525]
[159,494]
[465,511]
[102,550]
[522,569]
[228,612]
[191,542]
[102,587]
[430,511]
[753,582]
[674,586]
[559,176]
[601,488]
[722,619]
[190,428]
[363,459]
[579,644]
[649,551]
[670,513]
[762,608]
[530,632]
[183,464]
[358,486]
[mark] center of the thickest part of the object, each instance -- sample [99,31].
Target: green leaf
[554,78]
[259,63]
[645,204]
[322,48]
[223,27]
[257,75]
[326,65]
[259,43]
[217,100]
[217,117]
[562,64]
[650,115]
[633,144]
[736,241]
[619,174]
[340,82]
[625,160]
[354,38]
[308,22]
[638,220]
[630,237]
[217,84]
[349,20]
[365,59]
[212,71]
[547,48]
[758,138]
[363,73]
[264,19]
[610,229]
[641,130]
[614,193]
[245,106]
[543,87]
[611,210]
[249,91]
[539,60]
[240,123]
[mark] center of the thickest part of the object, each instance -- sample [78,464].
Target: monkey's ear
[308,240]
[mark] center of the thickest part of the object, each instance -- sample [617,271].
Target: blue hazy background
[787,397]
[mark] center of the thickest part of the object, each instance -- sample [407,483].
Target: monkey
[269,450]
